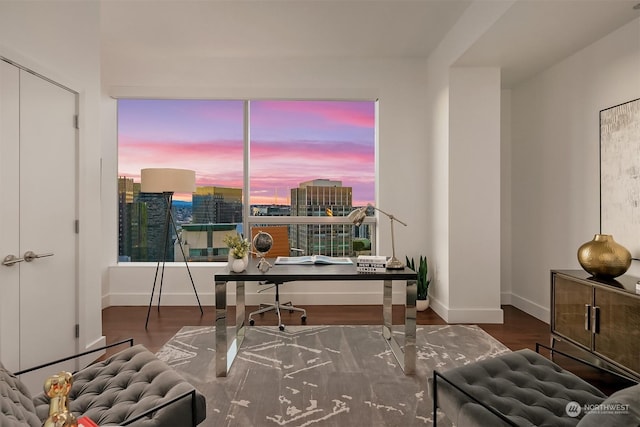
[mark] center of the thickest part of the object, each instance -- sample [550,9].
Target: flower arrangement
[238,246]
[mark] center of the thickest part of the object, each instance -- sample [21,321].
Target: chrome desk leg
[407,357]
[221,328]
[240,309]
[410,328]
[387,307]
[225,353]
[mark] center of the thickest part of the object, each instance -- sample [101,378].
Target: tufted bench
[524,388]
[132,387]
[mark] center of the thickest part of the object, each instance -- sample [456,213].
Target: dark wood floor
[519,330]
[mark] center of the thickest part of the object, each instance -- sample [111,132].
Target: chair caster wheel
[281,327]
[251,322]
[303,319]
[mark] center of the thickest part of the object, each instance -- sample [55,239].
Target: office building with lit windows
[217,205]
[322,197]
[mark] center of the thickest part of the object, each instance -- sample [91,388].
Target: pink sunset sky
[291,142]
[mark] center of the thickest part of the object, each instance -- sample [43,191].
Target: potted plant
[423,281]
[238,251]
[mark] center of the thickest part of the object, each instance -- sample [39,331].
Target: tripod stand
[169,221]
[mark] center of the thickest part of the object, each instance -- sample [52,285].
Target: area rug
[323,375]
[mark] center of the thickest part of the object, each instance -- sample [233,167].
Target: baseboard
[530,307]
[466,315]
[505,298]
[90,358]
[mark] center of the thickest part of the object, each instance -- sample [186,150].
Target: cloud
[293,142]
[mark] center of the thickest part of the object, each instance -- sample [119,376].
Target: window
[306,159]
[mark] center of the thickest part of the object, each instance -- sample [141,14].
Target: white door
[38,189]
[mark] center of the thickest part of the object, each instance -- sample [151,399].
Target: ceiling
[530,36]
[533,35]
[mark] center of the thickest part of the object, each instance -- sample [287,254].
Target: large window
[313,159]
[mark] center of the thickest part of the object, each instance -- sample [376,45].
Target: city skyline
[291,142]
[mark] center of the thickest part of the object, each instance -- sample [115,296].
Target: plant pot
[238,265]
[422,304]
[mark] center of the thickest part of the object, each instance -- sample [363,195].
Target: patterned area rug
[323,375]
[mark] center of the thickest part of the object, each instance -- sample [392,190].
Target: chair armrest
[585,362]
[75,356]
[495,412]
[145,414]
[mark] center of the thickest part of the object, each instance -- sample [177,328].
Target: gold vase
[603,257]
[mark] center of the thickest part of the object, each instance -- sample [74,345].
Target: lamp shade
[167,180]
[357,216]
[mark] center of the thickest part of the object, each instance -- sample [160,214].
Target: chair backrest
[280,235]
[16,406]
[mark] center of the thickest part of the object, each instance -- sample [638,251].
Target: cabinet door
[571,310]
[618,337]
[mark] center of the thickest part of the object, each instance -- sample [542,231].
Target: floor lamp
[168,181]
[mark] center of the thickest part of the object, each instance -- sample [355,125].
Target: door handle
[30,255]
[595,323]
[9,260]
[587,317]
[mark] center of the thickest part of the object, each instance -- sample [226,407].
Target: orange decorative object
[603,257]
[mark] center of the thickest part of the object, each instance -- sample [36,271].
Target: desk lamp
[358,215]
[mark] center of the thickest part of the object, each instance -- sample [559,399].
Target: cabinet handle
[595,322]
[587,317]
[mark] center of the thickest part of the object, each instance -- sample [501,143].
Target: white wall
[555,159]
[505,196]
[474,195]
[60,40]
[454,271]
[401,152]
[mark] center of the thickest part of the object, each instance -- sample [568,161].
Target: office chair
[281,247]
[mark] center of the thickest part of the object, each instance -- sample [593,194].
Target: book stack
[371,264]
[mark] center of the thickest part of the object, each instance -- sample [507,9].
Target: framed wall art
[620,174]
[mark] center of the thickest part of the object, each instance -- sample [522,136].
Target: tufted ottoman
[523,386]
[127,384]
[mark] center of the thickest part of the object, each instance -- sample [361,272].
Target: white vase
[422,304]
[238,265]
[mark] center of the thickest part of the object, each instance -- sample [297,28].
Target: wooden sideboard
[599,316]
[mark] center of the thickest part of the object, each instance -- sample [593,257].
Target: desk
[225,353]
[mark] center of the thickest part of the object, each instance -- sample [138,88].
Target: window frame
[249,220]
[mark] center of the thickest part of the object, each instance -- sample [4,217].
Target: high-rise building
[142,224]
[322,197]
[150,212]
[125,200]
[217,205]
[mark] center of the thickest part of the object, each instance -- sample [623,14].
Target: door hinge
[77,330]
[76,121]
[77,225]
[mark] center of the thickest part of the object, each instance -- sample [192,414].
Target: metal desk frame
[225,353]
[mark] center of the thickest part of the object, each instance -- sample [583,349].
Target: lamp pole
[169,221]
[394,263]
